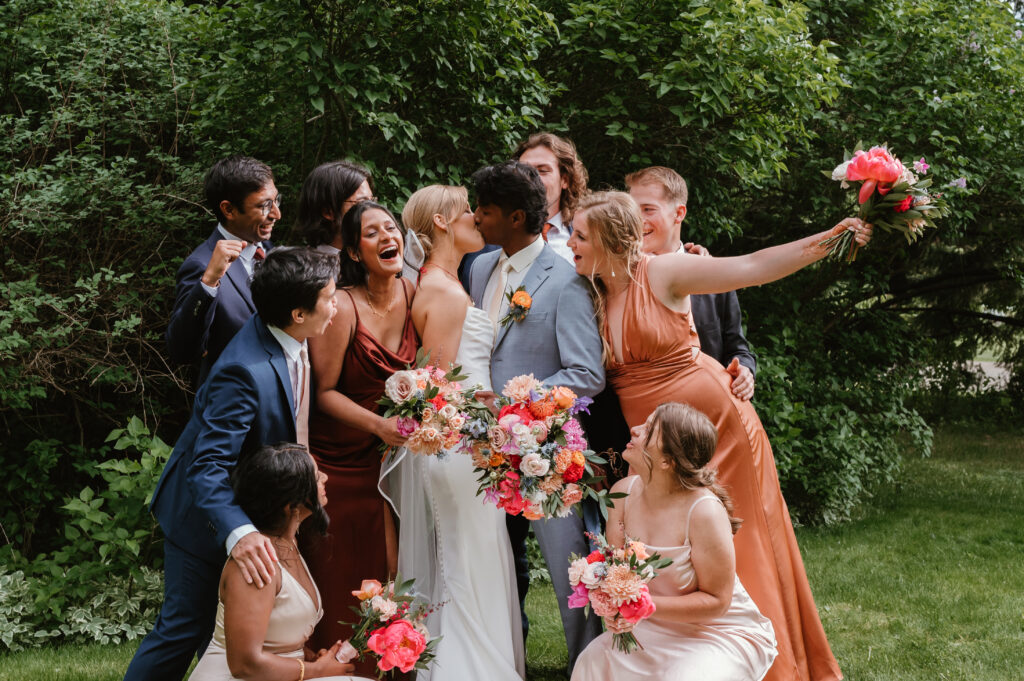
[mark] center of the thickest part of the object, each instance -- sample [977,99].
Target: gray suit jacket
[557,341]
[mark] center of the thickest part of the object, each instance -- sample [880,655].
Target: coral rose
[398,645]
[572,495]
[511,414]
[636,548]
[562,397]
[368,589]
[877,168]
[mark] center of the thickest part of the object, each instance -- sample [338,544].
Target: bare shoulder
[628,485]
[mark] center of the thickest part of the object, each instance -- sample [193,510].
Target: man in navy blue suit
[257,393]
[212,298]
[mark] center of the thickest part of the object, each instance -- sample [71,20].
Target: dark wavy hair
[513,186]
[273,479]
[325,190]
[570,167]
[289,278]
[233,178]
[354,272]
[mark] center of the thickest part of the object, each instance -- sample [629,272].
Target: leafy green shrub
[99,585]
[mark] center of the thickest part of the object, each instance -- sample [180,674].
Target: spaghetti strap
[405,290]
[690,512]
[355,308]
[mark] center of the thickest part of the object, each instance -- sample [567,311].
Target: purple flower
[1018,34]
[581,404]
[960,182]
[921,166]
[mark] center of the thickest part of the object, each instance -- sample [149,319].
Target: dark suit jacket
[246,403]
[202,325]
[719,327]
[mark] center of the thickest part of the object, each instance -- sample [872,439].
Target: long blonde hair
[616,229]
[424,204]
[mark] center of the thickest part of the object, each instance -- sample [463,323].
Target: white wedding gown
[456,546]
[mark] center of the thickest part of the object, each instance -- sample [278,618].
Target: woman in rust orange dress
[371,337]
[652,355]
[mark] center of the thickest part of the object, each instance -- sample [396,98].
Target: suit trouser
[557,537]
[187,617]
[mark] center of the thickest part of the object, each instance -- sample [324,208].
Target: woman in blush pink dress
[705,627]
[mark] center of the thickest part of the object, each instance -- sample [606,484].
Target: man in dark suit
[257,393]
[661,194]
[212,298]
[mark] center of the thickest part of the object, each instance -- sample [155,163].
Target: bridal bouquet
[533,459]
[391,626]
[613,581]
[432,407]
[891,196]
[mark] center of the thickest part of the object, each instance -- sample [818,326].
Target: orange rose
[522,299]
[368,589]
[563,397]
[496,460]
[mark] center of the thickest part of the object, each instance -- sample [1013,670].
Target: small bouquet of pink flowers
[891,196]
[533,458]
[613,581]
[431,405]
[391,626]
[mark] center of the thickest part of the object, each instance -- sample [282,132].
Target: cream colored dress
[737,646]
[291,623]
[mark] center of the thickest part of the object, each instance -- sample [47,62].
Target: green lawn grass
[927,585]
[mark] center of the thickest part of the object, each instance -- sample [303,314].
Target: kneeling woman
[706,627]
[261,633]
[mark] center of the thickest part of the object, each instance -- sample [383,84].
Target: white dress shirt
[291,348]
[519,265]
[245,256]
[558,238]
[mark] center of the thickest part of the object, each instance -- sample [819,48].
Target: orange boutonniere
[519,303]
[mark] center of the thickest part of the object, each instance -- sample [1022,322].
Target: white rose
[385,607]
[535,465]
[400,386]
[457,421]
[576,569]
[447,412]
[594,573]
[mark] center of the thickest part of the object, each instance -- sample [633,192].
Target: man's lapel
[239,278]
[537,275]
[280,364]
[479,273]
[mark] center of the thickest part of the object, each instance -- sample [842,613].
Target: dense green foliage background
[111,111]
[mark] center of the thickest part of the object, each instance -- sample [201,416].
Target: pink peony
[572,494]
[639,609]
[603,604]
[579,597]
[398,645]
[877,168]
[406,426]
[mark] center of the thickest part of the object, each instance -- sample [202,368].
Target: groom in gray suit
[557,341]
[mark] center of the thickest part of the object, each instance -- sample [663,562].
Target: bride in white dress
[450,541]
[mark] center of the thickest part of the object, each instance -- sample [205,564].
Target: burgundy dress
[354,548]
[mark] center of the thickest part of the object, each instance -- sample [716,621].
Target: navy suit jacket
[720,328]
[246,403]
[202,325]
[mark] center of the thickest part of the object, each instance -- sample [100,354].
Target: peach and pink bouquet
[391,626]
[613,581]
[432,407]
[890,196]
[533,459]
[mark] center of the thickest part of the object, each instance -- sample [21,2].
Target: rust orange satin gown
[658,367]
[355,548]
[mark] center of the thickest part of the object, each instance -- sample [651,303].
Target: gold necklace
[385,313]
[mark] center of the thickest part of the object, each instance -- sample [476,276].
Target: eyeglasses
[269,204]
[360,199]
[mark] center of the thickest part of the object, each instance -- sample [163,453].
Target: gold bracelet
[302,670]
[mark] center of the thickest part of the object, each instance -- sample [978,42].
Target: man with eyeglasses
[212,298]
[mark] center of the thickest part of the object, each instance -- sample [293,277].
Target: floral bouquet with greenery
[890,195]
[391,626]
[613,581]
[533,459]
